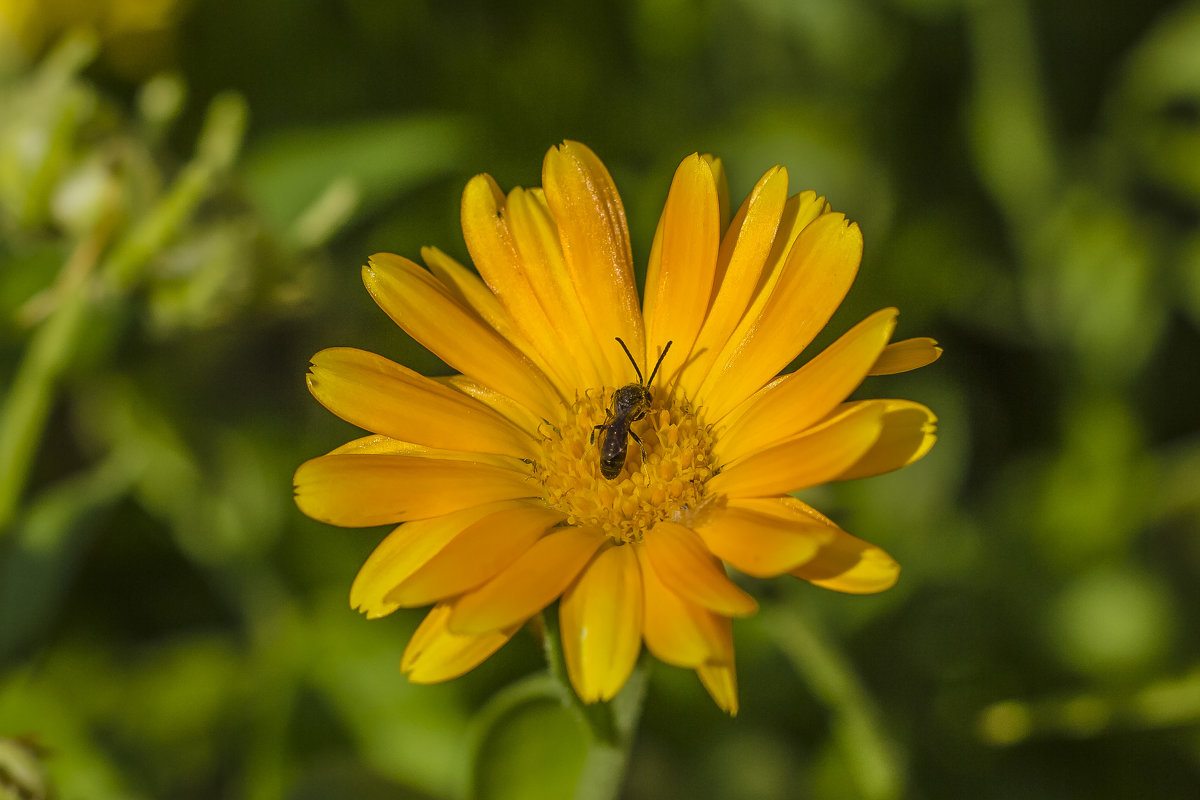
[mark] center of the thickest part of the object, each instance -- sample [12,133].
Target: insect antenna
[631,361]
[658,363]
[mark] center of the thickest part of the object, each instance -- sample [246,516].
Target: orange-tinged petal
[762,544]
[427,311]
[435,654]
[600,617]
[847,564]
[476,554]
[743,253]
[683,562]
[357,491]
[817,456]
[786,407]
[679,280]
[403,552]
[529,584]
[782,321]
[678,631]
[506,270]
[721,682]
[595,245]
[907,355]
[909,431]
[382,396]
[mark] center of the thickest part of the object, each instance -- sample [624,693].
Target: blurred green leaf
[376,160]
[1095,495]
[1091,284]
[412,734]
[1112,623]
[1154,103]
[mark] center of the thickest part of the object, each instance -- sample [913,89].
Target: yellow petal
[501,403]
[676,630]
[600,617]
[799,212]
[906,355]
[762,537]
[382,396]
[529,584]
[721,682]
[817,456]
[788,406]
[426,310]
[476,554]
[595,245]
[740,261]
[909,431]
[466,287]
[686,566]
[403,552]
[679,280]
[507,271]
[784,319]
[722,181]
[435,654]
[358,491]
[847,564]
[536,236]
[385,445]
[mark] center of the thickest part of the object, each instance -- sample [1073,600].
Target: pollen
[666,484]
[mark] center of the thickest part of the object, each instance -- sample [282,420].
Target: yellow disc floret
[664,485]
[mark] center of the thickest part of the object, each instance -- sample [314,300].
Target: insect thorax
[631,400]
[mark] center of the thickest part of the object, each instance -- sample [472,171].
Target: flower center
[664,485]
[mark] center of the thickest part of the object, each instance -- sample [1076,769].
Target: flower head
[497,474]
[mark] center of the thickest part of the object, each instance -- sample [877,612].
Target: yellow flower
[495,476]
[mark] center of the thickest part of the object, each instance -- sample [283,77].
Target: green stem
[612,724]
[28,403]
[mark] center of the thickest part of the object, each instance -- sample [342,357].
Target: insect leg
[608,417]
[638,439]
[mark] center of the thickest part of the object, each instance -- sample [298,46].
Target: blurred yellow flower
[137,35]
[495,473]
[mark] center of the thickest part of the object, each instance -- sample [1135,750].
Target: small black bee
[629,404]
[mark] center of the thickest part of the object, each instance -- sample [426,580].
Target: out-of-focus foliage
[185,200]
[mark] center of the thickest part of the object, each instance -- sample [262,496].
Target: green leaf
[529,744]
[371,161]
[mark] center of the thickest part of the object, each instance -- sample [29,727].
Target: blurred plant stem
[612,724]
[872,756]
[90,277]
[28,403]
[1165,703]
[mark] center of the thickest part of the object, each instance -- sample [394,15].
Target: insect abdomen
[614,448]
[611,467]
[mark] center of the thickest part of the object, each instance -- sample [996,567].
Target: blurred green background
[188,190]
